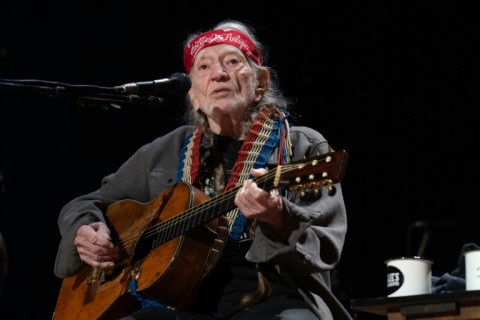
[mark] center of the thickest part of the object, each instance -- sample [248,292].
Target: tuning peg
[331,190]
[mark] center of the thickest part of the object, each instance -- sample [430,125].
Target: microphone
[177,84]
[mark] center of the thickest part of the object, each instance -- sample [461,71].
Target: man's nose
[218,71]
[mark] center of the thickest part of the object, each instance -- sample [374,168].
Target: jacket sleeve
[316,227]
[90,208]
[147,173]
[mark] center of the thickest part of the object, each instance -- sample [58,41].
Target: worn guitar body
[171,243]
[170,271]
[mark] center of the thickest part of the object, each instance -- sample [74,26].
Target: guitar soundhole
[143,247]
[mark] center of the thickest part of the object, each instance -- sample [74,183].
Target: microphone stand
[87,92]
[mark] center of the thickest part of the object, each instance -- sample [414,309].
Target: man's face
[223,85]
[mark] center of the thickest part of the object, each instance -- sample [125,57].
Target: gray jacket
[316,228]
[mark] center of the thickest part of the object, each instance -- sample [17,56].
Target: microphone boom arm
[57,89]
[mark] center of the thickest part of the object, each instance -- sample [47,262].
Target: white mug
[408,276]
[472,270]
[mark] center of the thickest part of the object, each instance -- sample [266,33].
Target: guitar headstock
[313,173]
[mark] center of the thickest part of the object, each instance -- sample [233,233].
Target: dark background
[396,85]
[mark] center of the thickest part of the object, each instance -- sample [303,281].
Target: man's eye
[232,63]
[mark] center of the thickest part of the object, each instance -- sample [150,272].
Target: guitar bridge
[97,276]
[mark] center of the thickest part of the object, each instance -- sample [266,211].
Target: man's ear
[263,78]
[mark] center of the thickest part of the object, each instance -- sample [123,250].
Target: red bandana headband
[221,36]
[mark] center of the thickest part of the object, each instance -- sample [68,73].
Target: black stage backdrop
[395,85]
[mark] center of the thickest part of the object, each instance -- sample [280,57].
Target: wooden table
[453,305]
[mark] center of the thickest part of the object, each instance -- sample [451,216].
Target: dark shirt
[233,276]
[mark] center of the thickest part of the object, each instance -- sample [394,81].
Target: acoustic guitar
[172,242]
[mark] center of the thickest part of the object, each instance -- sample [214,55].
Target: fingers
[257,203]
[102,231]
[258,172]
[96,233]
[247,186]
[250,198]
[95,246]
[97,258]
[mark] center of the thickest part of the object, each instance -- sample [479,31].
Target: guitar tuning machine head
[331,190]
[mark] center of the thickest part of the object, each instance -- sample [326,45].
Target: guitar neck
[306,174]
[203,213]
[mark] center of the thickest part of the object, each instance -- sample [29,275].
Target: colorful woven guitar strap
[270,131]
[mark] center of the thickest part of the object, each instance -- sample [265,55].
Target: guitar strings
[170,228]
